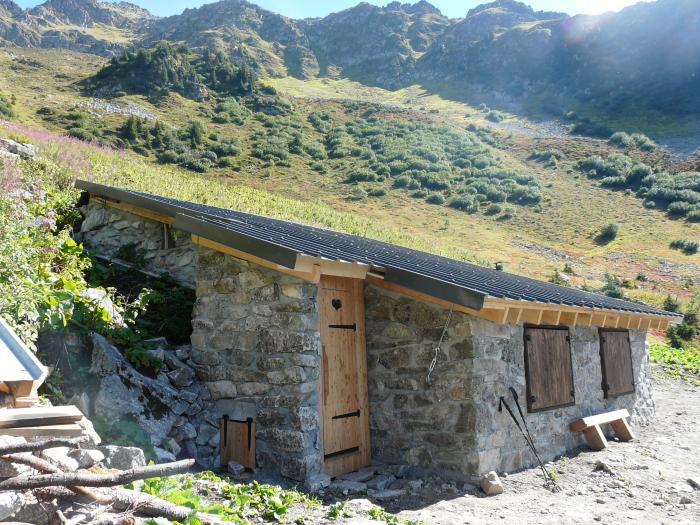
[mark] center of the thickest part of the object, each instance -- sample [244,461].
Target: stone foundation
[452,424]
[106,230]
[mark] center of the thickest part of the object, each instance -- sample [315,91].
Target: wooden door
[343,385]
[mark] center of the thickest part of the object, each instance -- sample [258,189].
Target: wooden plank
[514,315]
[201,241]
[549,375]
[599,419]
[531,316]
[29,417]
[622,430]
[595,438]
[135,210]
[616,362]
[567,318]
[69,430]
[363,389]
[306,263]
[550,317]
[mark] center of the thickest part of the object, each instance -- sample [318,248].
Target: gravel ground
[649,484]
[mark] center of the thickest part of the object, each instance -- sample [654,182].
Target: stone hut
[343,350]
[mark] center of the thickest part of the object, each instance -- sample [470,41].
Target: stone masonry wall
[452,424]
[106,230]
[256,344]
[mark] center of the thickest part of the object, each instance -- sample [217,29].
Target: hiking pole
[503,403]
[527,429]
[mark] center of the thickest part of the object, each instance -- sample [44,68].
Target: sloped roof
[281,241]
[18,362]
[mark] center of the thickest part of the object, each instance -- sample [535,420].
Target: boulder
[181,377]
[59,456]
[123,393]
[362,475]
[163,456]
[86,457]
[82,402]
[491,484]
[36,512]
[9,470]
[235,469]
[10,503]
[26,151]
[123,458]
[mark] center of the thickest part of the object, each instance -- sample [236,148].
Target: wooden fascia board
[130,208]
[306,263]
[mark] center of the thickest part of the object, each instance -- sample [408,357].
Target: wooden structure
[237,441]
[21,373]
[60,421]
[590,426]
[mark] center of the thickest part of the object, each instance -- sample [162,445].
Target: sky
[314,8]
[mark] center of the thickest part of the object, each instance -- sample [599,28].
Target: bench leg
[595,438]
[622,430]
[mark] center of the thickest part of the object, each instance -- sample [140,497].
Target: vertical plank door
[616,362]
[343,386]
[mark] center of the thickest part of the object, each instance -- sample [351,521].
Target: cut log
[44,466]
[88,479]
[123,500]
[39,416]
[43,445]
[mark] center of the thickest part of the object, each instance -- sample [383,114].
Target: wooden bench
[590,426]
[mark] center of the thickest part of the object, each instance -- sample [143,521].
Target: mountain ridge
[503,50]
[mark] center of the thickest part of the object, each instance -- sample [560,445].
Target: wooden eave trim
[136,210]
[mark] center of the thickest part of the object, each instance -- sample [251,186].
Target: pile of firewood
[93,498]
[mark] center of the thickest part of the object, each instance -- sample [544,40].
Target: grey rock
[361,476]
[686,500]
[348,487]
[121,391]
[234,468]
[35,511]
[123,458]
[603,466]
[163,456]
[26,151]
[82,402]
[86,457]
[317,482]
[181,377]
[381,482]
[184,352]
[89,431]
[491,484]
[388,494]
[206,433]
[59,456]
[172,445]
[156,342]
[10,503]
[7,469]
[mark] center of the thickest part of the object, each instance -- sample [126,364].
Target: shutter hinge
[572,393]
[533,399]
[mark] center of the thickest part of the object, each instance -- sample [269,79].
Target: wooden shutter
[550,381]
[616,362]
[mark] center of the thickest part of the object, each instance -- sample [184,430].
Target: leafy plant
[686,246]
[607,233]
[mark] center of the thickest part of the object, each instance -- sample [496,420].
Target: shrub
[686,246]
[493,209]
[6,109]
[607,233]
[435,198]
[358,194]
[420,194]
[168,157]
[465,203]
[495,116]
[361,175]
[693,215]
[402,182]
[678,209]
[377,192]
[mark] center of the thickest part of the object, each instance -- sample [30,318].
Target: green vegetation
[608,233]
[550,157]
[677,362]
[453,167]
[233,502]
[580,125]
[6,104]
[677,193]
[157,71]
[686,246]
[634,141]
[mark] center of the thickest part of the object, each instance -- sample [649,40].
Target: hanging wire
[437,348]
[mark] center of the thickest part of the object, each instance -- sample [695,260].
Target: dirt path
[648,486]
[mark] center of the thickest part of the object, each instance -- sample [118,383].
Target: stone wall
[452,424]
[106,230]
[256,344]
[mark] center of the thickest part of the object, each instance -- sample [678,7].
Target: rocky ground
[649,483]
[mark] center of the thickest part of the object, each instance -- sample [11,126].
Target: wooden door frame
[336,466]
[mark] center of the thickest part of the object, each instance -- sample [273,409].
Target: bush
[361,175]
[686,246]
[678,209]
[493,209]
[377,192]
[495,116]
[435,198]
[465,203]
[6,109]
[607,233]
[693,215]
